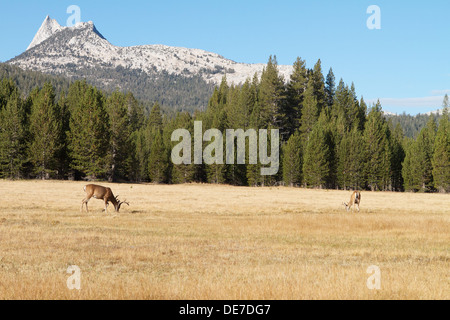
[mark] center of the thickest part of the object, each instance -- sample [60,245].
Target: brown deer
[355,200]
[101,193]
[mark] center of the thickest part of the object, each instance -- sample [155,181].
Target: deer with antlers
[355,200]
[101,193]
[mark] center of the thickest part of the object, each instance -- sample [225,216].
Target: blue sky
[406,63]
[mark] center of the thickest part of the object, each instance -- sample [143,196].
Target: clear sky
[406,63]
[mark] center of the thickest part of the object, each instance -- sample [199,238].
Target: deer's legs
[85,201]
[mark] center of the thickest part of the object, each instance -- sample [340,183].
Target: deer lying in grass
[101,193]
[355,200]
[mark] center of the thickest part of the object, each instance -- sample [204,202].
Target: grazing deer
[101,193]
[355,200]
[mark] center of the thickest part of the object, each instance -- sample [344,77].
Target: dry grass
[221,242]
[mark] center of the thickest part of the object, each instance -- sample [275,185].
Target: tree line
[412,125]
[329,137]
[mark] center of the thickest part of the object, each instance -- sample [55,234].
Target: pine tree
[330,88]
[222,104]
[292,160]
[272,96]
[142,152]
[362,114]
[136,119]
[295,95]
[158,159]
[13,132]
[254,177]
[89,133]
[240,103]
[155,117]
[135,112]
[216,172]
[45,133]
[342,146]
[62,158]
[120,141]
[423,157]
[346,104]
[344,161]
[318,84]
[398,156]
[316,163]
[144,138]
[341,102]
[356,113]
[411,181]
[386,162]
[272,179]
[446,102]
[417,169]
[356,165]
[337,132]
[441,156]
[253,173]
[240,108]
[7,88]
[183,173]
[310,113]
[377,154]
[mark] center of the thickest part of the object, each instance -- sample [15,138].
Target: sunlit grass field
[221,242]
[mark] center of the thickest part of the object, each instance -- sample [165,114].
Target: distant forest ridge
[412,125]
[172,92]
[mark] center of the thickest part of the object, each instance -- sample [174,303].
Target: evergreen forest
[328,137]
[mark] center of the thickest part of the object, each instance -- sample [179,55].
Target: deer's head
[345,205]
[119,203]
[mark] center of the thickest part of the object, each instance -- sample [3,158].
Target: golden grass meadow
[221,242]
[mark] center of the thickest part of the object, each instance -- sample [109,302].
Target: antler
[122,202]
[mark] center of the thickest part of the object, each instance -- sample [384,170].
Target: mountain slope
[26,81]
[48,28]
[82,52]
